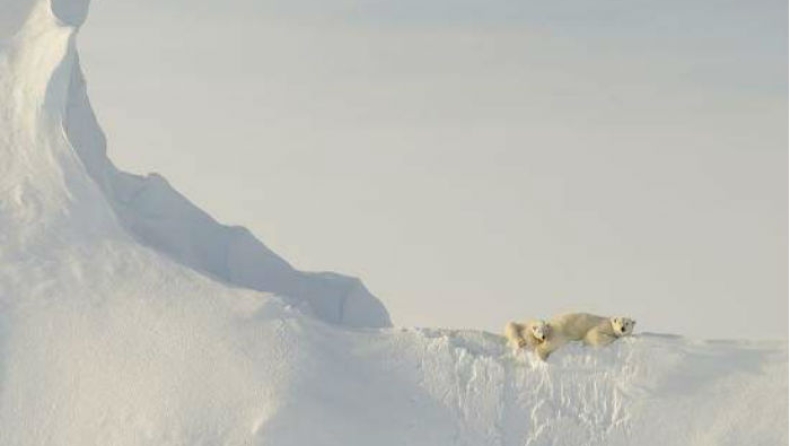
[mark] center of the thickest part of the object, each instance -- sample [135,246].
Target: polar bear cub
[538,335]
[592,329]
[531,334]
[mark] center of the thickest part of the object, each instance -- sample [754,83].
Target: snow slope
[130,317]
[158,216]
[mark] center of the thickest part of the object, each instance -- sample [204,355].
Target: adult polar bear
[592,329]
[547,337]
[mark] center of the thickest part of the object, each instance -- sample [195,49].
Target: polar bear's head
[539,330]
[623,326]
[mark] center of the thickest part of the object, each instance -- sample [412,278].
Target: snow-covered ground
[130,317]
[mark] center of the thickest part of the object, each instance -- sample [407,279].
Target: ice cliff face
[148,208]
[159,217]
[130,317]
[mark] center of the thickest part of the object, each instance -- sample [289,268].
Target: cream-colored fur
[530,335]
[591,329]
[550,345]
[567,328]
[606,333]
[544,338]
[575,326]
[538,336]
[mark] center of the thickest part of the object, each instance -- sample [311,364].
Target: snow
[158,216]
[130,317]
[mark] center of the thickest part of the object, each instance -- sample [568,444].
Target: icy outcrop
[160,217]
[448,387]
[119,324]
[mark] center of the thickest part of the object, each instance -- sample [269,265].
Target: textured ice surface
[130,317]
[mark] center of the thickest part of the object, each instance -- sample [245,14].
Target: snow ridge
[159,217]
[147,208]
[130,317]
[451,387]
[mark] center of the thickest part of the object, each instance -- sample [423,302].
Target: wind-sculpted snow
[160,217]
[47,178]
[446,387]
[130,317]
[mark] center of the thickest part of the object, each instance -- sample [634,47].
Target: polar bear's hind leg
[598,338]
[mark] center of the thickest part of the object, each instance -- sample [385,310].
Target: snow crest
[46,91]
[130,317]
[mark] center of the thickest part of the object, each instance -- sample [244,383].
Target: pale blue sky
[476,161]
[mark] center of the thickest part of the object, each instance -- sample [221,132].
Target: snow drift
[130,317]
